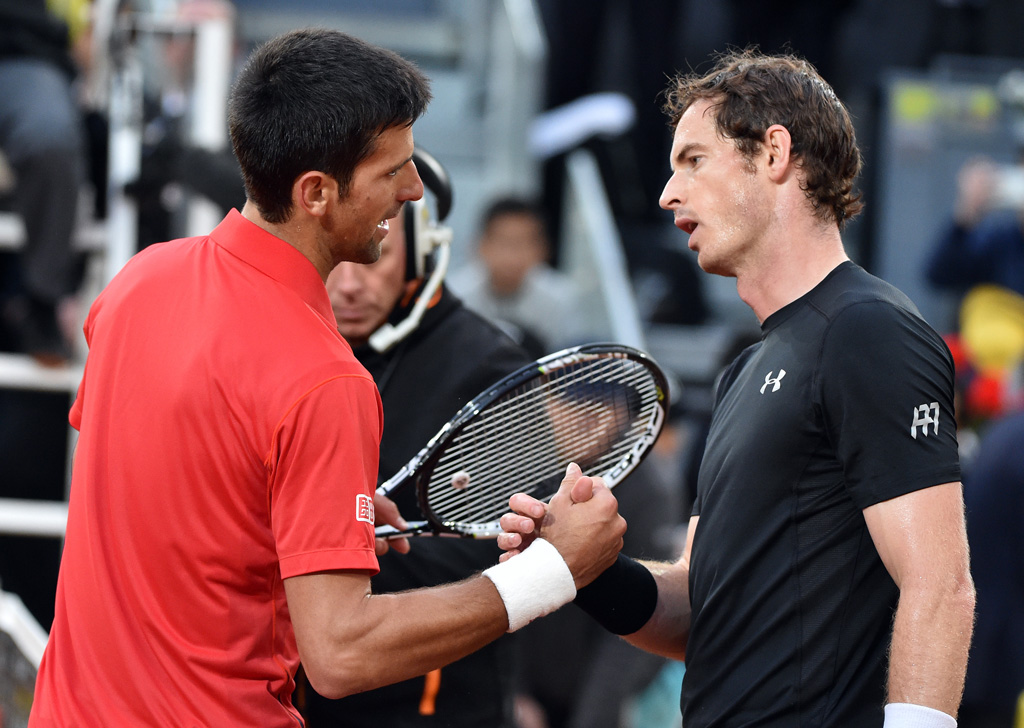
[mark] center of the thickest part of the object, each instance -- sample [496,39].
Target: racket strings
[530,472]
[525,419]
[531,407]
[524,407]
[592,412]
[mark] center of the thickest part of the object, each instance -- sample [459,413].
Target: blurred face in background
[363,296]
[511,245]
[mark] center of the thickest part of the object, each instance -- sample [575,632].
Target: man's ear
[778,147]
[313,192]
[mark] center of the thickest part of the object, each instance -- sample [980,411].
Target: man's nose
[672,194]
[412,187]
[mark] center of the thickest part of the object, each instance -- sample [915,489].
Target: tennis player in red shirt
[222,511]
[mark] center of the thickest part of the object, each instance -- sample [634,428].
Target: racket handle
[390,533]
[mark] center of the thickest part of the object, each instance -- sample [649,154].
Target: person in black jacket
[572,670]
[423,378]
[42,138]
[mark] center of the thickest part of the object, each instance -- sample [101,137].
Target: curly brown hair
[751,91]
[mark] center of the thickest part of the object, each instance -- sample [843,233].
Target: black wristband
[622,598]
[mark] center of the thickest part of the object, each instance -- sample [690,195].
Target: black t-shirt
[845,402]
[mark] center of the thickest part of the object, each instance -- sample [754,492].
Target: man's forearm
[668,629]
[386,637]
[931,636]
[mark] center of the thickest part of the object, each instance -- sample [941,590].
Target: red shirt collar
[275,258]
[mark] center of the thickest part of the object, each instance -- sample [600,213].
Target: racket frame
[423,463]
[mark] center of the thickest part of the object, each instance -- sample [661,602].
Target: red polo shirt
[229,440]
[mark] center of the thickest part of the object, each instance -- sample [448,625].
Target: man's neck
[791,267]
[298,235]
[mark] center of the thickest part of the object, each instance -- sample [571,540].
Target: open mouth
[686,225]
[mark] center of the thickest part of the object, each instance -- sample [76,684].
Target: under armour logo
[924,415]
[776,382]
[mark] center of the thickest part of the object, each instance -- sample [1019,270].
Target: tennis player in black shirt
[825,578]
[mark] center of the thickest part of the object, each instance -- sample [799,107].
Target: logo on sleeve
[776,382]
[364,508]
[924,415]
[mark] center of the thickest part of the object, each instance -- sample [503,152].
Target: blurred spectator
[986,349]
[984,242]
[43,143]
[458,354]
[42,138]
[512,283]
[979,257]
[994,499]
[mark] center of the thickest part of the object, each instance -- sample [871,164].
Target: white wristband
[908,715]
[533,583]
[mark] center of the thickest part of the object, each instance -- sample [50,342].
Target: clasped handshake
[582,521]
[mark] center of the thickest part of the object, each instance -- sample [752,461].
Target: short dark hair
[316,99]
[751,91]
[511,205]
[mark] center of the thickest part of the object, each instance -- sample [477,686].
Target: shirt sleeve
[75,415]
[887,400]
[323,471]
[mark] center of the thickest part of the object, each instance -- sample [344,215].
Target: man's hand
[582,521]
[386,514]
[520,526]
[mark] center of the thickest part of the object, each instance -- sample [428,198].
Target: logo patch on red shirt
[364,508]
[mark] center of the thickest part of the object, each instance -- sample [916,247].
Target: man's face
[510,247]
[380,185]
[363,295]
[717,195]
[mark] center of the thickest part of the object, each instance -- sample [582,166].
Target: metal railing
[594,257]
[515,89]
[123,96]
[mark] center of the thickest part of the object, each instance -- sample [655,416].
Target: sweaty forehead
[695,131]
[698,119]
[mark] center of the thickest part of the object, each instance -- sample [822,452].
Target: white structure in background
[118,36]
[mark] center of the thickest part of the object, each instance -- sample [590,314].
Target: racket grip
[390,533]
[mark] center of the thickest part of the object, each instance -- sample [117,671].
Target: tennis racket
[601,406]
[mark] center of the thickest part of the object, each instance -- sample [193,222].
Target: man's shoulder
[465,348]
[457,322]
[851,286]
